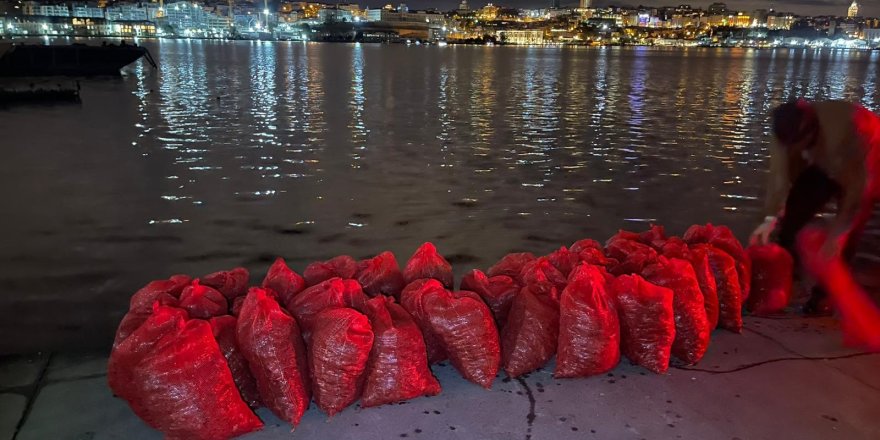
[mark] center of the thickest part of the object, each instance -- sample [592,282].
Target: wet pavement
[785,377]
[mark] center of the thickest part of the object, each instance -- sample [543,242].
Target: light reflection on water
[232,153]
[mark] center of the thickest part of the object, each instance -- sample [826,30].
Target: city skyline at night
[800,7]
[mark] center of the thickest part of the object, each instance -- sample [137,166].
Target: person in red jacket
[821,151]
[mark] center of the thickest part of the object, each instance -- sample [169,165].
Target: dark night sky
[802,7]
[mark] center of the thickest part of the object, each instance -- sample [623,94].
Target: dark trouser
[812,190]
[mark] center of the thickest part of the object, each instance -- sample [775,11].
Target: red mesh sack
[283,281]
[727,282]
[203,302]
[647,323]
[231,283]
[338,355]
[624,235]
[699,258]
[497,292]
[270,341]
[691,323]
[143,299]
[332,293]
[427,263]
[413,301]
[398,366]
[564,260]
[136,317]
[511,264]
[381,275]
[631,255]
[542,277]
[224,329]
[722,238]
[772,279]
[589,330]
[236,305]
[529,338]
[128,353]
[675,247]
[467,332]
[184,388]
[654,237]
[238,302]
[595,257]
[342,266]
[585,244]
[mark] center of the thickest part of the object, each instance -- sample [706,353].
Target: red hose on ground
[859,316]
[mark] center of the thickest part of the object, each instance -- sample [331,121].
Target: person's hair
[793,121]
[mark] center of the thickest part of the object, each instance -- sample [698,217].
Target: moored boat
[27,60]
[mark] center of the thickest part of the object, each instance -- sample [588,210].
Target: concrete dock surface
[786,377]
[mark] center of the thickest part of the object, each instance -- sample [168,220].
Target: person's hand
[761,235]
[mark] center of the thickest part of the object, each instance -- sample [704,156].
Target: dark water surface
[231,154]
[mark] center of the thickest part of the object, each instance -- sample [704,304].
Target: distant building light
[266,11]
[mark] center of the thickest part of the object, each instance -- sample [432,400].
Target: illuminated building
[853,10]
[335,15]
[780,21]
[522,36]
[190,19]
[585,4]
[463,6]
[310,10]
[426,21]
[740,20]
[46,10]
[488,13]
[86,10]
[128,12]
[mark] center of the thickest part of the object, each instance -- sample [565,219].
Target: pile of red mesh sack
[772,279]
[195,357]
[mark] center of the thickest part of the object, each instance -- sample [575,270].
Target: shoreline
[54,39]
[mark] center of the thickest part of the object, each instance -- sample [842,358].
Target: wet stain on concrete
[530,417]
